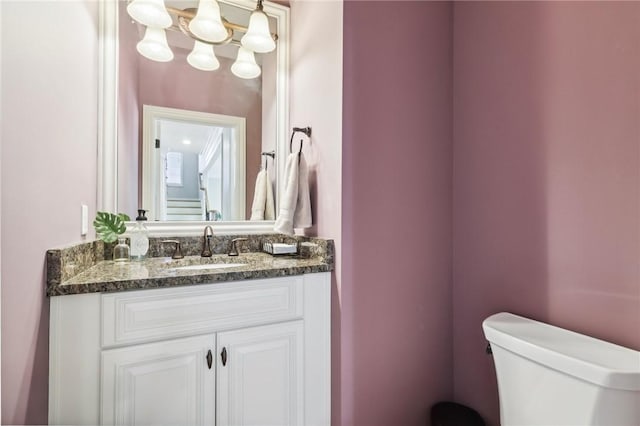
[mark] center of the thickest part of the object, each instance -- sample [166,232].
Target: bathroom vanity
[167,341]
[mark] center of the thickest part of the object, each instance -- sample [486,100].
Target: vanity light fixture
[151,13]
[258,38]
[207,24]
[207,28]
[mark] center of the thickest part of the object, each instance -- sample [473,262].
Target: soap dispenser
[139,237]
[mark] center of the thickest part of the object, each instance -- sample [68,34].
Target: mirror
[235,120]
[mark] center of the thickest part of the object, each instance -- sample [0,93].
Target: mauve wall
[128,115]
[396,238]
[49,148]
[546,175]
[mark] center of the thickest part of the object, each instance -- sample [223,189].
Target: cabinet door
[260,376]
[164,383]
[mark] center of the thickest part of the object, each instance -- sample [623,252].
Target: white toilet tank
[548,376]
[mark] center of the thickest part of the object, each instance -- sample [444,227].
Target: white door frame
[151,168]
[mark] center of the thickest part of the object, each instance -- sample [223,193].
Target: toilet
[549,376]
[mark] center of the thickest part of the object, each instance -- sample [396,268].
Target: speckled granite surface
[66,262]
[82,268]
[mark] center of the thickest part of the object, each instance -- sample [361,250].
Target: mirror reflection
[193,117]
[200,163]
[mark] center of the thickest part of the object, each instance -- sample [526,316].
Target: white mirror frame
[107,179]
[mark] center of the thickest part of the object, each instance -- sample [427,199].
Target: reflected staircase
[181,209]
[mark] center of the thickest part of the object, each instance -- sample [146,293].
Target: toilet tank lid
[581,356]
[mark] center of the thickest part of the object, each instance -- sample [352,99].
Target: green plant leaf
[109,226]
[124,217]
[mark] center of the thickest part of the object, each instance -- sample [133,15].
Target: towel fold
[295,205]
[302,215]
[263,206]
[270,205]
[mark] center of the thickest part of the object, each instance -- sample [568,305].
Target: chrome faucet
[206,241]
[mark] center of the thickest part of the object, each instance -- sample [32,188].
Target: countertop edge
[183,281]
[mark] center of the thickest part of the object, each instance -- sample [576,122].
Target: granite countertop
[81,269]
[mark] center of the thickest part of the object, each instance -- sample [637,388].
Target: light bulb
[245,65]
[203,57]
[154,45]
[258,37]
[151,13]
[207,24]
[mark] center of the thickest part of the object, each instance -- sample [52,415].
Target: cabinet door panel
[261,383]
[164,383]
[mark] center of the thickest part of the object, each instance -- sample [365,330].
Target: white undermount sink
[208,266]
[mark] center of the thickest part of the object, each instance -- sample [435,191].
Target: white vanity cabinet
[159,383]
[262,381]
[253,352]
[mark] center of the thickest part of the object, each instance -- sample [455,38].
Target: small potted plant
[109,228]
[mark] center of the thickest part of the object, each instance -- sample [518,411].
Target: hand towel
[295,205]
[259,196]
[263,207]
[302,215]
[284,222]
[270,205]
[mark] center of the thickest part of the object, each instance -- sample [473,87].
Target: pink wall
[177,84]
[49,148]
[546,175]
[396,214]
[316,101]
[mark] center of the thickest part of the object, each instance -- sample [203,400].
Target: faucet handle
[177,253]
[233,249]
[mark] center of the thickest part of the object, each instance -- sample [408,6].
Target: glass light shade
[151,13]
[207,24]
[154,45]
[245,65]
[258,37]
[203,57]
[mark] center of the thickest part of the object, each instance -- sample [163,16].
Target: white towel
[302,215]
[295,205]
[263,203]
[270,205]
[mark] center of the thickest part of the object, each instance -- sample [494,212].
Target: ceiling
[173,133]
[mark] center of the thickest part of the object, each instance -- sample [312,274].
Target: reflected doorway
[196,169]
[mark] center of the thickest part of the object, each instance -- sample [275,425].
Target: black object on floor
[454,414]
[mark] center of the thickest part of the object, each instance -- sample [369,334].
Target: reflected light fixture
[154,45]
[245,65]
[203,57]
[207,28]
